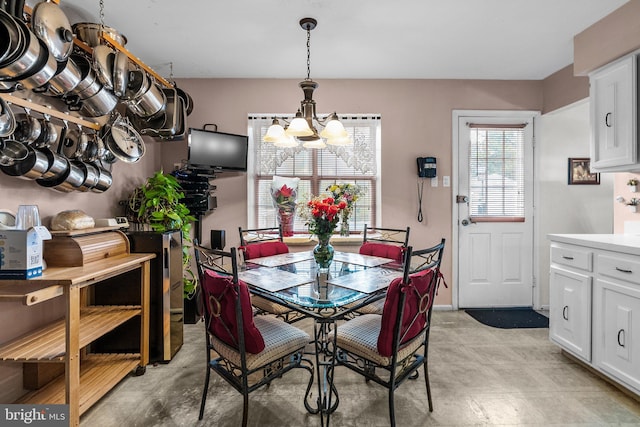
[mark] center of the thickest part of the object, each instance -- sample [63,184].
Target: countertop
[625,243]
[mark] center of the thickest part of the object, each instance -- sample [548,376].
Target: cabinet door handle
[565,312]
[622,270]
[621,334]
[570,258]
[606,120]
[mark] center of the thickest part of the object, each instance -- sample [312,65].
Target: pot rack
[25,103]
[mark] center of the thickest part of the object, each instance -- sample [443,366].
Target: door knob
[465,222]
[462,199]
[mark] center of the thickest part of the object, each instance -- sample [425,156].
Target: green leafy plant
[157,203]
[632,181]
[633,202]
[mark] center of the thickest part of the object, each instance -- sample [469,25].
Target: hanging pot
[48,135]
[69,181]
[105,180]
[66,79]
[57,164]
[151,104]
[89,84]
[34,166]
[28,128]
[89,33]
[103,58]
[50,24]
[120,73]
[26,60]
[12,151]
[45,69]
[186,100]
[99,104]
[124,141]
[12,39]
[7,119]
[90,173]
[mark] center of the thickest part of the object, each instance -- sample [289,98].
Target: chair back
[260,242]
[227,303]
[409,302]
[385,242]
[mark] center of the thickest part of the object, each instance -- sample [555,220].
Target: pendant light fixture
[304,127]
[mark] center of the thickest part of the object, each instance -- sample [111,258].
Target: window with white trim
[358,163]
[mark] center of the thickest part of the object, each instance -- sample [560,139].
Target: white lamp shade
[345,140]
[286,141]
[333,129]
[299,127]
[314,143]
[274,133]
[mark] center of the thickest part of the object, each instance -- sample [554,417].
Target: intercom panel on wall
[426,167]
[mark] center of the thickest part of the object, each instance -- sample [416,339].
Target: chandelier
[304,127]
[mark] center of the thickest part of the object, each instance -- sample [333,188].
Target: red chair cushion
[258,250]
[383,250]
[422,282]
[219,301]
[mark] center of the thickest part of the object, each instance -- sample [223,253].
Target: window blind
[496,172]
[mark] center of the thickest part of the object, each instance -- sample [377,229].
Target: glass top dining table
[325,295]
[294,280]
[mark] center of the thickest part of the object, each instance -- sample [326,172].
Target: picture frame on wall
[579,172]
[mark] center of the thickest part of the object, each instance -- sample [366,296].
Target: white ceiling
[405,39]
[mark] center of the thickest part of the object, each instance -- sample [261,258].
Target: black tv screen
[210,150]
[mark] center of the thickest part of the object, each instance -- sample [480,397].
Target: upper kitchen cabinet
[614,116]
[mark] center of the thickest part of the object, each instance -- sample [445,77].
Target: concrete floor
[479,376]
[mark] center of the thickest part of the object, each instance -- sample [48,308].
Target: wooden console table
[87,376]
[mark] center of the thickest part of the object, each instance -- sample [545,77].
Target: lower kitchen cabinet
[616,330]
[594,302]
[570,314]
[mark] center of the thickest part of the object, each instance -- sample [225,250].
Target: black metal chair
[251,351]
[260,242]
[387,243]
[390,348]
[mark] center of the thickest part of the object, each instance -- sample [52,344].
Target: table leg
[325,357]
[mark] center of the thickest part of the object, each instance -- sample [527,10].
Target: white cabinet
[594,303]
[570,299]
[613,97]
[616,326]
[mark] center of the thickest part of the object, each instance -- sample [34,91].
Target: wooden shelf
[47,344]
[99,373]
[25,103]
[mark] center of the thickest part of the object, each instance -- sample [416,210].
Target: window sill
[311,240]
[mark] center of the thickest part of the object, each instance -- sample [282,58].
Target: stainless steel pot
[28,128]
[11,39]
[89,32]
[120,73]
[48,134]
[103,57]
[89,84]
[27,58]
[66,79]
[69,181]
[7,119]
[150,104]
[103,102]
[105,180]
[34,166]
[50,24]
[45,69]
[12,151]
[57,164]
[91,175]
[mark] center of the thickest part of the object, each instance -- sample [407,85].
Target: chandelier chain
[101,13]
[308,54]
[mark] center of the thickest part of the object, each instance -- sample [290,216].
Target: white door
[495,211]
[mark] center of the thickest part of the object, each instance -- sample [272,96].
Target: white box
[21,252]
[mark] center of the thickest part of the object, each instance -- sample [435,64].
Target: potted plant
[633,204]
[633,184]
[157,204]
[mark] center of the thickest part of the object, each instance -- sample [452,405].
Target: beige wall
[416,121]
[563,88]
[611,37]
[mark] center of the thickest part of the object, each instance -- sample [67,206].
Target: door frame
[455,116]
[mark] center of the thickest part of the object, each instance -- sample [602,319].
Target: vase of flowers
[284,192]
[322,215]
[348,193]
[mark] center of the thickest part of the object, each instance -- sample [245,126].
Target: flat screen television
[217,151]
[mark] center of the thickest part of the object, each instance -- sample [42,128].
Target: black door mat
[509,318]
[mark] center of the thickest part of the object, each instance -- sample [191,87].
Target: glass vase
[344,228]
[285,220]
[323,252]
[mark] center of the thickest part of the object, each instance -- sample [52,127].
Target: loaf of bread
[72,220]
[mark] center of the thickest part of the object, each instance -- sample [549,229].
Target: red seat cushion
[258,250]
[422,283]
[383,250]
[219,301]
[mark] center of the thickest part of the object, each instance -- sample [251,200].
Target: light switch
[434,181]
[445,181]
